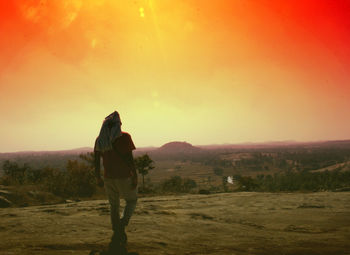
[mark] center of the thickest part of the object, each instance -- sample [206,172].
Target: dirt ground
[232,223]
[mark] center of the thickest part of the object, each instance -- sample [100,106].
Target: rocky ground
[231,223]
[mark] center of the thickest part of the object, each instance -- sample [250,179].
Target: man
[120,177]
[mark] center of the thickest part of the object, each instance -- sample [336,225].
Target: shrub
[174,184]
[81,180]
[54,181]
[78,180]
[218,171]
[247,183]
[34,175]
[177,184]
[189,184]
[13,173]
[204,192]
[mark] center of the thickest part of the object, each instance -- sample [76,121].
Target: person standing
[120,177]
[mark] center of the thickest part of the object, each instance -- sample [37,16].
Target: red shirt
[115,163]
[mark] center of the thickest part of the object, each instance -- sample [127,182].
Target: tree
[143,164]
[34,175]
[209,180]
[14,172]
[189,184]
[174,184]
[55,181]
[89,158]
[224,183]
[247,183]
[80,179]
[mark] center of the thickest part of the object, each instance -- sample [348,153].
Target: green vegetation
[296,181]
[143,164]
[76,181]
[15,173]
[177,184]
[218,171]
[276,159]
[275,169]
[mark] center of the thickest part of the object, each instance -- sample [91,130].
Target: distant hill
[178,147]
[57,152]
[278,144]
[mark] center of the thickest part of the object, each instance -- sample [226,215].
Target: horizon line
[197,145]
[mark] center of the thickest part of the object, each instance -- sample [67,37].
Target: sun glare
[142,12]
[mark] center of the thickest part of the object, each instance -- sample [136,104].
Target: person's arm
[130,159]
[99,180]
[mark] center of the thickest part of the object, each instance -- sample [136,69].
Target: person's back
[120,177]
[115,162]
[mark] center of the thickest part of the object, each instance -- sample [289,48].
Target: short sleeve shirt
[114,162]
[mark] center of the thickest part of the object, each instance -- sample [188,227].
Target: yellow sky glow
[198,71]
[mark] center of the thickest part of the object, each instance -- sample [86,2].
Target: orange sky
[205,72]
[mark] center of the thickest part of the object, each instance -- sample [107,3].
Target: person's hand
[134,181]
[99,181]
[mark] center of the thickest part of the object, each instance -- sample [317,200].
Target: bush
[81,179]
[13,173]
[296,181]
[218,171]
[189,184]
[204,192]
[54,181]
[77,181]
[6,180]
[173,184]
[177,184]
[247,183]
[34,175]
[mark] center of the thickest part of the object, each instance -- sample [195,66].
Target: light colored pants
[116,189]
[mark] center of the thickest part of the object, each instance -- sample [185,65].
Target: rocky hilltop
[224,223]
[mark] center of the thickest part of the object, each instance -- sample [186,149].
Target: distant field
[166,169]
[198,163]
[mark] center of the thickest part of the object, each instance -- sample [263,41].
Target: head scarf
[110,131]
